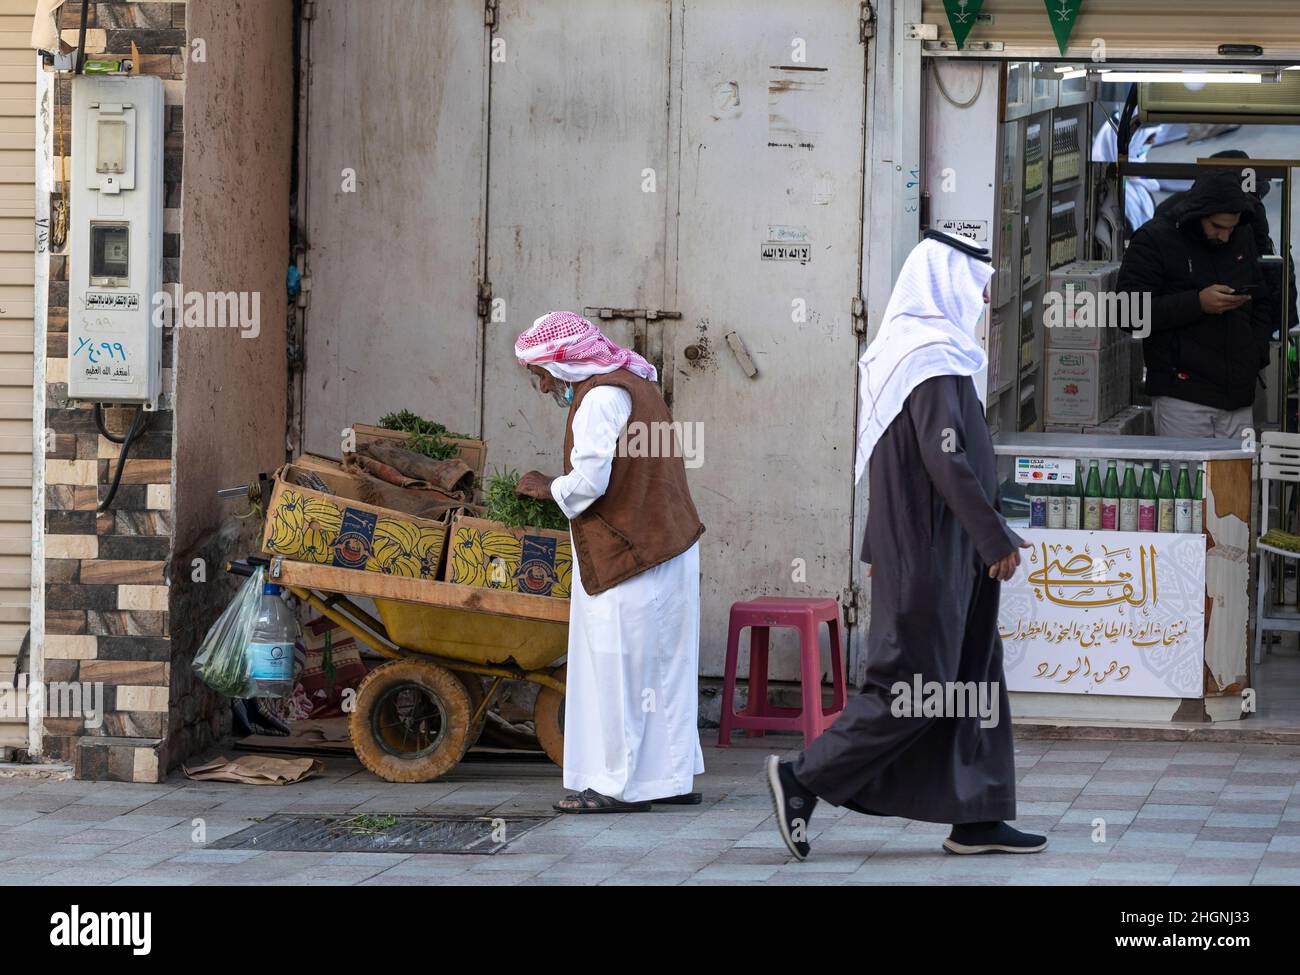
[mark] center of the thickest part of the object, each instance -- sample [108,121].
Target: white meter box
[116,268]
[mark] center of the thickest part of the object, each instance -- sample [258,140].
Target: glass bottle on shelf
[1074,499]
[1198,501]
[1183,502]
[1128,500]
[1092,498]
[1110,499]
[1165,500]
[1147,501]
[1056,505]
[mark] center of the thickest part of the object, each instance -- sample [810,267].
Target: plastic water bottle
[270,649]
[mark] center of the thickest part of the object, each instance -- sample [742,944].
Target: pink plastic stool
[806,616]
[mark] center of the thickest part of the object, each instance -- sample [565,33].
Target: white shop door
[396,97]
[771,173]
[580,192]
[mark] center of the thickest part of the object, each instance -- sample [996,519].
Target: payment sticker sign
[1044,470]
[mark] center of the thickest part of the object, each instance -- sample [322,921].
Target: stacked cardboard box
[1087,358]
[1130,421]
[472,452]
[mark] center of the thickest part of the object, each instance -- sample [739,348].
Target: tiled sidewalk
[1173,813]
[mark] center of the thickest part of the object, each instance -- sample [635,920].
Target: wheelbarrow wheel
[548,719]
[474,688]
[411,721]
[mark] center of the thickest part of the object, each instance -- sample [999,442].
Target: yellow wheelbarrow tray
[439,625]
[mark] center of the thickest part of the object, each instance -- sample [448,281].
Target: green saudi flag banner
[961,17]
[1062,14]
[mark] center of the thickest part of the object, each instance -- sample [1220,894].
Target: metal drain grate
[286,833]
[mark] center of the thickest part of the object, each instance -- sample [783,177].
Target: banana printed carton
[311,517]
[485,553]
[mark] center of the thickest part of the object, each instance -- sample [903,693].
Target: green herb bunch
[500,503]
[426,436]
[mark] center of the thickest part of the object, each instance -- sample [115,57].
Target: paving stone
[517,862]
[1175,813]
[1287,876]
[647,878]
[1218,848]
[1157,810]
[1236,834]
[1069,752]
[1084,817]
[384,860]
[1145,872]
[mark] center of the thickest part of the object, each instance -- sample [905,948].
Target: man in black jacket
[1263,243]
[1208,339]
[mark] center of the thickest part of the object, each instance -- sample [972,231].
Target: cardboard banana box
[486,553]
[314,516]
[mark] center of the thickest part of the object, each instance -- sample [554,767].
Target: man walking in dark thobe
[939,550]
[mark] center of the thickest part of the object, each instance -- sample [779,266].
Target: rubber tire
[546,719]
[439,682]
[474,688]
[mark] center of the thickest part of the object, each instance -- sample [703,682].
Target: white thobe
[633,664]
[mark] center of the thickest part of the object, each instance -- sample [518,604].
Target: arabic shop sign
[1106,613]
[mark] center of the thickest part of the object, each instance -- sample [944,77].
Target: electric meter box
[116,233]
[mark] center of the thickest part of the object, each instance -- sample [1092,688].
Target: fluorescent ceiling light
[1073,73]
[1184,77]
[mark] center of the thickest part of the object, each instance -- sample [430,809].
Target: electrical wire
[133,434]
[59,216]
[938,80]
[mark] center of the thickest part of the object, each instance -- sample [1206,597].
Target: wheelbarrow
[415,716]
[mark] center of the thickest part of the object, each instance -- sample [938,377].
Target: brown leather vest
[646,515]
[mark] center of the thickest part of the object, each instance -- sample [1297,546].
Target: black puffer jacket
[1263,243]
[1213,360]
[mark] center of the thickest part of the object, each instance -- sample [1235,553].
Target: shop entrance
[1042,161]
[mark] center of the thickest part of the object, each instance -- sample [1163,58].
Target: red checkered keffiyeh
[573,349]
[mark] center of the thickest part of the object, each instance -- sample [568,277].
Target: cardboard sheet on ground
[256,770]
[310,737]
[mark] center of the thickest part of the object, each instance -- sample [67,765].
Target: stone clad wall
[106,574]
[125,608]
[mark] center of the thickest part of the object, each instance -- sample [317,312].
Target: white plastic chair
[1279,462]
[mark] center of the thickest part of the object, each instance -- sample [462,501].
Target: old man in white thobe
[630,735]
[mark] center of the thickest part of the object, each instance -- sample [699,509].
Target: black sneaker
[992,838]
[794,806]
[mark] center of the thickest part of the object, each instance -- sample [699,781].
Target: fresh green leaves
[426,436]
[500,503]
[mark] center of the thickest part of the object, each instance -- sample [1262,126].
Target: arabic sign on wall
[1106,613]
[976,230]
